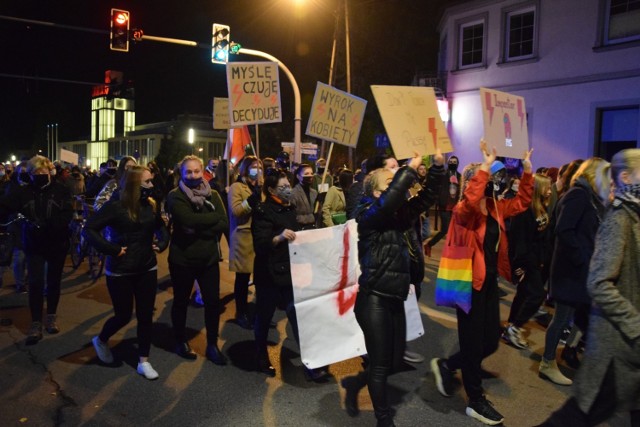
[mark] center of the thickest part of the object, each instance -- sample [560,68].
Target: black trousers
[478,334]
[241,293]
[383,323]
[52,262]
[208,278]
[530,294]
[268,298]
[123,291]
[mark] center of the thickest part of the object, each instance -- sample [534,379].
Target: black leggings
[241,293]
[123,290]
[208,278]
[52,262]
[268,298]
[530,294]
[478,334]
[383,323]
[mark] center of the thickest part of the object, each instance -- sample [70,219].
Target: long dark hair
[130,191]
[121,167]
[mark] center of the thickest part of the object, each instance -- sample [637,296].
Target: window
[617,129]
[622,21]
[520,34]
[471,46]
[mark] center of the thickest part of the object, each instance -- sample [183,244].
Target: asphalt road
[59,381]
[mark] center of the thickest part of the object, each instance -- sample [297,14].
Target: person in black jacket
[136,233]
[529,254]
[199,218]
[47,205]
[385,217]
[273,226]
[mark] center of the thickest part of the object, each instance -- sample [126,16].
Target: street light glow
[192,136]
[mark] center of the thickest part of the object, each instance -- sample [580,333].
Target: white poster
[324,271]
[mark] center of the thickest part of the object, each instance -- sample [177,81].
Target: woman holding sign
[478,222]
[385,217]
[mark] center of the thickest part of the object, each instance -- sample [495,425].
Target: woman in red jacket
[478,221]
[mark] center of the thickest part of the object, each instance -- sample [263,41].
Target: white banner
[324,271]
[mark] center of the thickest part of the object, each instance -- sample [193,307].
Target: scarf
[197,196]
[630,195]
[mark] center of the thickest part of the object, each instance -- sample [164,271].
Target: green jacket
[194,241]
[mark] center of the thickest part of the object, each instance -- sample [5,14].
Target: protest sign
[505,122]
[221,113]
[336,116]
[324,272]
[412,121]
[254,93]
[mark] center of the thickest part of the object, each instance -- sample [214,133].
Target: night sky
[390,41]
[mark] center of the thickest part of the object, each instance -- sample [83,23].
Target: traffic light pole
[297,149]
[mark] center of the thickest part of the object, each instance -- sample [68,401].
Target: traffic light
[220,44]
[120,30]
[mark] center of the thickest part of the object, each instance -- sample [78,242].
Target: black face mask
[24,177]
[320,170]
[111,172]
[307,180]
[146,192]
[192,183]
[453,167]
[40,181]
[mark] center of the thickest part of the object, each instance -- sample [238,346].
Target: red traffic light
[121,18]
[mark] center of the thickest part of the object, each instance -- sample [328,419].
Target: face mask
[394,170]
[253,173]
[307,180]
[489,189]
[453,167]
[320,170]
[40,181]
[24,177]
[145,192]
[514,188]
[192,182]
[111,172]
[284,194]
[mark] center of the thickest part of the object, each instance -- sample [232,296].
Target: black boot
[215,355]
[264,365]
[184,350]
[570,355]
[352,386]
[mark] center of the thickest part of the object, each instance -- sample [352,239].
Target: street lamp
[191,136]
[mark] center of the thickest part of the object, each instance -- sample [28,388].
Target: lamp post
[191,136]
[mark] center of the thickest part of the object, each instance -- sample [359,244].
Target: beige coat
[333,204]
[241,253]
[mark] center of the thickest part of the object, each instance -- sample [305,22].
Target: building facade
[576,63]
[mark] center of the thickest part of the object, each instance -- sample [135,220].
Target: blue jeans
[561,320]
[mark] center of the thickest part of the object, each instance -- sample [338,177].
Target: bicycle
[80,248]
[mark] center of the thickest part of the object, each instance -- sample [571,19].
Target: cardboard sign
[505,122]
[412,121]
[69,156]
[254,93]
[221,113]
[336,116]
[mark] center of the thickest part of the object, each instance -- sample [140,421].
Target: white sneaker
[514,336]
[102,350]
[412,357]
[146,370]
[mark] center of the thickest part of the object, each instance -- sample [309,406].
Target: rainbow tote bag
[453,283]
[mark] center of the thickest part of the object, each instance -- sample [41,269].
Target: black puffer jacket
[137,237]
[271,265]
[49,212]
[383,235]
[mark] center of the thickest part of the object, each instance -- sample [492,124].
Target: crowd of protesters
[566,238]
